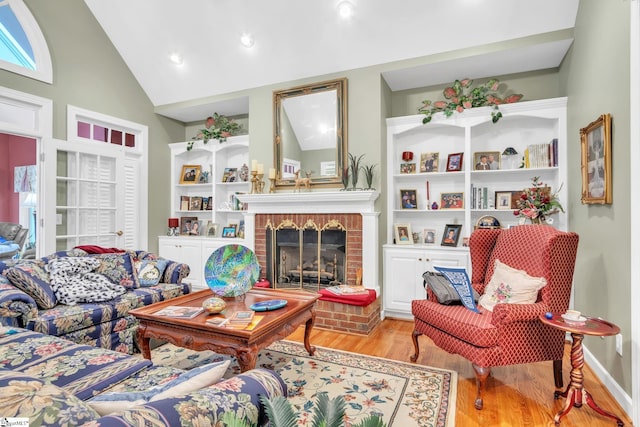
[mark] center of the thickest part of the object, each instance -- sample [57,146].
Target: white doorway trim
[31,116]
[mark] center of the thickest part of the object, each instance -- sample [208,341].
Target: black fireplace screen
[309,258]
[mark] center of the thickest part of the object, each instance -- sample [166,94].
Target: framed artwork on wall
[595,144]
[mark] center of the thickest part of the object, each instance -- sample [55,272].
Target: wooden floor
[520,395]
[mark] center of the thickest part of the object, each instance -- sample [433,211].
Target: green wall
[89,73]
[595,77]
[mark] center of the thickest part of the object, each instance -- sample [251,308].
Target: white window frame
[41,55]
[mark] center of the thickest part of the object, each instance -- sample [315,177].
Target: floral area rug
[404,394]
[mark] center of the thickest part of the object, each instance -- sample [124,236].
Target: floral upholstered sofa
[44,295]
[55,382]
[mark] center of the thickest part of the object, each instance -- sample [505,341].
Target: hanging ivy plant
[461,96]
[217,127]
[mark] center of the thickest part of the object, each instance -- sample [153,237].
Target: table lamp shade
[173,223]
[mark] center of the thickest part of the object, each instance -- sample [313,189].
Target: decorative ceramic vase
[214,305]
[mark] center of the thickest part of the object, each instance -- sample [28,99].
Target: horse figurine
[302,181]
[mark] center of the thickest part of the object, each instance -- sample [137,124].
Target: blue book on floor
[459,279]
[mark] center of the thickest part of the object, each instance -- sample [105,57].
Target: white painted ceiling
[296,39]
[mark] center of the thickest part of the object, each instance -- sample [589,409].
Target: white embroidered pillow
[508,285]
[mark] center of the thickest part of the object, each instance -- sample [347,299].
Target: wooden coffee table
[197,334]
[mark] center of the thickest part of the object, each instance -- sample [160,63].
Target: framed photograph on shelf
[504,200]
[196,228]
[229,231]
[186,224]
[190,174]
[595,141]
[407,168]
[408,199]
[451,235]
[454,162]
[486,160]
[429,162]
[429,235]
[195,203]
[230,175]
[403,235]
[209,206]
[212,229]
[452,200]
[416,237]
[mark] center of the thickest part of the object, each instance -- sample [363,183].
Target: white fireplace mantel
[312,202]
[336,202]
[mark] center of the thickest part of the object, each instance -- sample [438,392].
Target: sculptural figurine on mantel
[304,181]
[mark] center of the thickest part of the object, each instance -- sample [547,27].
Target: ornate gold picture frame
[596,161]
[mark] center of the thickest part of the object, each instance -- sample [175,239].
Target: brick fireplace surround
[355,210]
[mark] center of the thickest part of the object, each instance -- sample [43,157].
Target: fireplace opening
[310,257]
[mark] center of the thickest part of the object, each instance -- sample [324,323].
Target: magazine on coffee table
[181,312]
[459,279]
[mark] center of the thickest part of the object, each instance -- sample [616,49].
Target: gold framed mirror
[310,133]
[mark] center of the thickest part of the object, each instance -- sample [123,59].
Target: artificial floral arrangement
[217,127]
[460,96]
[537,203]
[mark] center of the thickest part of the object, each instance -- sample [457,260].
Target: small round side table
[575,392]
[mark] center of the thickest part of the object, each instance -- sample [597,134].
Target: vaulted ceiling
[420,42]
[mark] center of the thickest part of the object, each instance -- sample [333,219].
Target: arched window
[23,49]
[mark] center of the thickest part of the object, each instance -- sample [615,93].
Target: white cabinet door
[403,269]
[185,250]
[447,259]
[403,281]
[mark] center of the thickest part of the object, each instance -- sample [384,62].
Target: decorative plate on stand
[231,270]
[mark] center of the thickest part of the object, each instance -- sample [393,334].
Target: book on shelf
[348,290]
[181,312]
[184,203]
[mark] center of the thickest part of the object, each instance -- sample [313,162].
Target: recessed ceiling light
[247,40]
[345,9]
[176,58]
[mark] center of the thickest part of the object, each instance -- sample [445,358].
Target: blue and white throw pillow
[192,380]
[150,271]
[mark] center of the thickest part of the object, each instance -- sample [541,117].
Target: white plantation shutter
[131,209]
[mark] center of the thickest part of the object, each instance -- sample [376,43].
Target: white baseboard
[607,380]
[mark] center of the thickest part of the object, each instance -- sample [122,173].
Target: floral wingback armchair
[512,333]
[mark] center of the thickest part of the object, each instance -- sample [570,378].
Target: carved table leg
[593,405]
[416,347]
[307,334]
[247,359]
[575,392]
[143,341]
